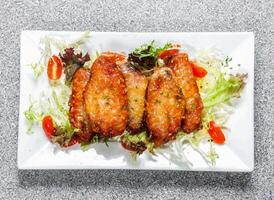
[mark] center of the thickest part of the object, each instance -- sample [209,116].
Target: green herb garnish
[150,50]
[145,58]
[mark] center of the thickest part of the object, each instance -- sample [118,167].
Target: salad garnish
[48,44]
[137,142]
[217,87]
[72,61]
[145,58]
[32,116]
[38,69]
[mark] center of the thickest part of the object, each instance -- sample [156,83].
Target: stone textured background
[141,15]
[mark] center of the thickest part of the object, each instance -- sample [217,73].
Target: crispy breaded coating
[136,84]
[164,106]
[77,113]
[105,96]
[186,81]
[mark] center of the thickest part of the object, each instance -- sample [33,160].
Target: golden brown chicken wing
[105,96]
[182,69]
[164,106]
[136,91]
[77,114]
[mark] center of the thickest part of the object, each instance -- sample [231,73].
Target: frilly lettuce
[224,90]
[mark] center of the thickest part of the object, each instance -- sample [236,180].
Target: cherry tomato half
[54,68]
[216,133]
[48,126]
[198,71]
[167,53]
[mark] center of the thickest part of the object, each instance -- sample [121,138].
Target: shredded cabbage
[174,151]
[54,104]
[212,154]
[37,68]
[47,46]
[32,116]
[57,107]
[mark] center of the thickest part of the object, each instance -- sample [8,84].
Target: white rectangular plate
[237,154]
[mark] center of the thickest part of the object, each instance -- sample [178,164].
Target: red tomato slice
[167,53]
[198,71]
[48,126]
[216,133]
[54,68]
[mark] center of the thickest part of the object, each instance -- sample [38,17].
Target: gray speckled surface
[225,15]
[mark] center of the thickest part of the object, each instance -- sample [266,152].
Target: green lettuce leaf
[224,90]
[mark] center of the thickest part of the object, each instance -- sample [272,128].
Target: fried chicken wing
[182,69]
[136,91]
[164,106]
[77,114]
[105,96]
